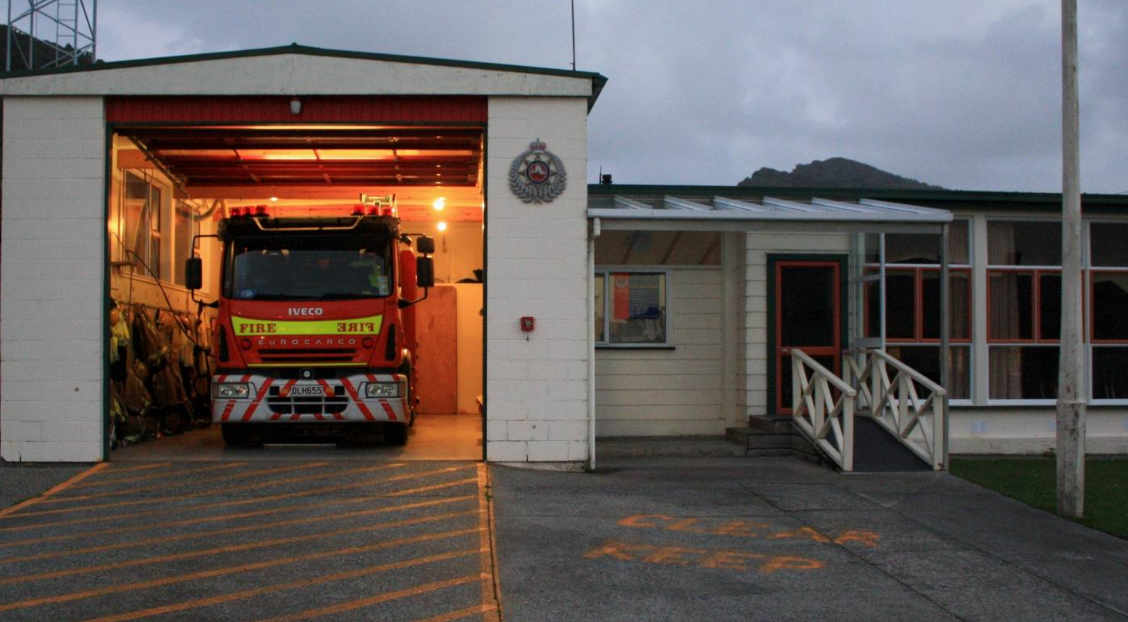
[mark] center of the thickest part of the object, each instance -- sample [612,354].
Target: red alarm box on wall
[527,324]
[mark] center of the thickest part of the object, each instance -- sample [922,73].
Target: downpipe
[596,229]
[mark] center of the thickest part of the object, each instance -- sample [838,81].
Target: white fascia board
[301,74]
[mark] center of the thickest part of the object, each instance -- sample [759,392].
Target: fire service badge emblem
[537,175]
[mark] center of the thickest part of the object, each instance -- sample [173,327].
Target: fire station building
[563,313]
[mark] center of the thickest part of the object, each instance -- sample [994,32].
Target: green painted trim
[597,80]
[844,311]
[947,199]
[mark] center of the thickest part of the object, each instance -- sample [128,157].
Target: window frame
[159,239]
[1036,341]
[918,271]
[1036,274]
[1091,343]
[878,272]
[606,271]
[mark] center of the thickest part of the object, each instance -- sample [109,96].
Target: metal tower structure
[50,33]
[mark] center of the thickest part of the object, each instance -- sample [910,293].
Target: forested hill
[833,173]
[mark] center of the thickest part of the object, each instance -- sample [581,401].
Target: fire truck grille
[318,355]
[307,405]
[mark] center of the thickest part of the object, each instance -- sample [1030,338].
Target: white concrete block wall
[677,392]
[1001,430]
[536,384]
[51,298]
[757,248]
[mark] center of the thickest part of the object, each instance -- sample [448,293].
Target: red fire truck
[315,332]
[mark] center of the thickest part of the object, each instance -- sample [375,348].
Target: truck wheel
[237,435]
[396,433]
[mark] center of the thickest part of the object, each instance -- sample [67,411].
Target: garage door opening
[306,335]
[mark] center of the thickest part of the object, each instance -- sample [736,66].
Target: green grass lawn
[1032,481]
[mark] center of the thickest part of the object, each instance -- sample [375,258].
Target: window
[1023,309]
[310,267]
[912,301]
[185,228]
[1108,299]
[141,225]
[630,308]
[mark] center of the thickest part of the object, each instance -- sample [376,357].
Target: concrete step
[771,424]
[769,441]
[667,446]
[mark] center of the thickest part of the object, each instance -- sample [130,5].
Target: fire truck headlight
[382,389]
[233,391]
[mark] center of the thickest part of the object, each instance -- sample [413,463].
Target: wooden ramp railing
[823,409]
[896,404]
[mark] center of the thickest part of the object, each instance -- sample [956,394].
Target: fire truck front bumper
[265,399]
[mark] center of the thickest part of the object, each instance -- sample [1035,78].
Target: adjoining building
[598,311]
[749,273]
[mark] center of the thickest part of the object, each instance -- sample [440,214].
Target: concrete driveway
[250,540]
[713,539]
[781,539]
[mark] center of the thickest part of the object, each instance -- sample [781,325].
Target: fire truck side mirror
[424,272]
[425,245]
[194,273]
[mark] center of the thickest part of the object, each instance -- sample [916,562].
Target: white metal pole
[1071,388]
[945,343]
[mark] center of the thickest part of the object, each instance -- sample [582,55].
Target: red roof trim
[315,109]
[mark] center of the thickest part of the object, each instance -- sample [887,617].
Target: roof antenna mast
[50,33]
[573,34]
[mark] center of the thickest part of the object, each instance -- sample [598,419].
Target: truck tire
[396,433]
[238,435]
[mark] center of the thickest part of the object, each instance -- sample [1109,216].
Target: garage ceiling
[325,156]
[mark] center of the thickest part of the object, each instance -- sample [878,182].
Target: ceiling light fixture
[439,204]
[442,226]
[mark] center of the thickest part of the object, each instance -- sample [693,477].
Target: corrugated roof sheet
[815,209]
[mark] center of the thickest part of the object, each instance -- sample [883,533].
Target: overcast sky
[960,93]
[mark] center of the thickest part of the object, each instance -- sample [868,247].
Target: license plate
[307,391]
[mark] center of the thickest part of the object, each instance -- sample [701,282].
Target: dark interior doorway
[807,295]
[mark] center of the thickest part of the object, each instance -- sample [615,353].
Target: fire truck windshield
[314,267]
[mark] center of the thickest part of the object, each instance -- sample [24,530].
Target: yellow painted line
[227,570]
[53,490]
[231,548]
[194,535]
[282,587]
[137,478]
[222,478]
[139,467]
[196,521]
[251,500]
[461,613]
[362,603]
[491,587]
[211,492]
